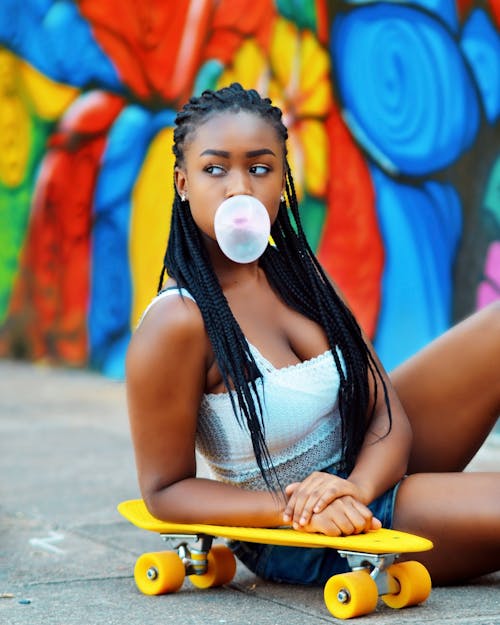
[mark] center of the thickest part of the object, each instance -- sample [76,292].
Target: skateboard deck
[371,556]
[376,542]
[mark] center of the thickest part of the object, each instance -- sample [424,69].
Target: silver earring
[282,198]
[183,198]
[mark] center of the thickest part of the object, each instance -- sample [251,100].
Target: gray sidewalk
[66,556]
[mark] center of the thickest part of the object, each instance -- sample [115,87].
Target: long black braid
[295,273]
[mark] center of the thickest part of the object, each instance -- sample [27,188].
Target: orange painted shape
[322,23]
[54,277]
[92,113]
[351,249]
[237,20]
[494,7]
[156,46]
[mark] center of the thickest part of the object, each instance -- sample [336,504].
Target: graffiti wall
[393,111]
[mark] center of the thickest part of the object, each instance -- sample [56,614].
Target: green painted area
[301,12]
[312,214]
[492,194]
[15,204]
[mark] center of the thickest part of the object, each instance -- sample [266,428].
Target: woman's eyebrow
[253,153]
[224,154]
[209,152]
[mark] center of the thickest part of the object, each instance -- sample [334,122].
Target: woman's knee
[488,320]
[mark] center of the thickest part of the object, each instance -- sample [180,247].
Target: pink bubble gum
[242,228]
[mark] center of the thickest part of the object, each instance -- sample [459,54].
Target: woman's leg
[460,513]
[451,393]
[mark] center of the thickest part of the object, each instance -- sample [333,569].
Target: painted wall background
[393,110]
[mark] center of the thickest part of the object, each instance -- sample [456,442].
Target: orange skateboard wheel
[414,581]
[159,573]
[351,594]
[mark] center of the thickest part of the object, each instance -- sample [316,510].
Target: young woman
[262,368]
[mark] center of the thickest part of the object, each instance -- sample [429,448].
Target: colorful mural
[393,110]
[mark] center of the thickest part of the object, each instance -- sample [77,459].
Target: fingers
[351,516]
[289,490]
[313,495]
[344,517]
[304,497]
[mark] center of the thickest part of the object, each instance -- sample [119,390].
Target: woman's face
[231,154]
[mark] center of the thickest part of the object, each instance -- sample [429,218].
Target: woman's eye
[215,170]
[259,170]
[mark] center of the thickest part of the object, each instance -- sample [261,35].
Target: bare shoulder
[166,374]
[172,329]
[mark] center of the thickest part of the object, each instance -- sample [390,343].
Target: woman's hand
[343,517]
[313,495]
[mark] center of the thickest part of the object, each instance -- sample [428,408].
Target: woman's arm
[383,458]
[166,369]
[332,505]
[384,455]
[381,463]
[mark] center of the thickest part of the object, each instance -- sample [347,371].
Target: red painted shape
[156,46]
[322,25]
[236,20]
[495,10]
[51,296]
[351,248]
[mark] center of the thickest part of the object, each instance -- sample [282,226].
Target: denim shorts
[301,565]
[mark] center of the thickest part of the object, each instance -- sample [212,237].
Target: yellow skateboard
[371,557]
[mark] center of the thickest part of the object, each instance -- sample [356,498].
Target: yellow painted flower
[15,124]
[48,98]
[248,68]
[151,204]
[24,91]
[295,74]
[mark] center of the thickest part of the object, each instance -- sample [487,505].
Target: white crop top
[301,420]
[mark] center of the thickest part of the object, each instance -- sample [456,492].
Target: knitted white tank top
[300,415]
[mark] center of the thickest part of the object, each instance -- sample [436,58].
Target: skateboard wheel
[351,594]
[159,573]
[415,584]
[220,570]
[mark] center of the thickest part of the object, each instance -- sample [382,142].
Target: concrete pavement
[67,557]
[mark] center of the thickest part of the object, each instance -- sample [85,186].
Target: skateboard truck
[377,565]
[193,553]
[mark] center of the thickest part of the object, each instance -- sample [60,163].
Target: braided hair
[294,272]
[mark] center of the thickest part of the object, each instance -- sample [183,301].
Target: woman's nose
[238,183]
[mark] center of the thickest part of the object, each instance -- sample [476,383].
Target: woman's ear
[180,181]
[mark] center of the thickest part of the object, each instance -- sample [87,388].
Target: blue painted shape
[111,296]
[481,45]
[420,227]
[17,26]
[111,285]
[58,41]
[445,10]
[407,93]
[36,7]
